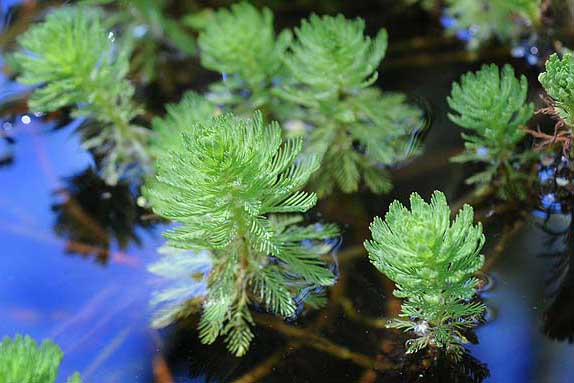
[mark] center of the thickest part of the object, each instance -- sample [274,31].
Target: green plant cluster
[432,261]
[73,62]
[491,105]
[146,30]
[356,129]
[483,20]
[241,44]
[233,185]
[23,361]
[558,81]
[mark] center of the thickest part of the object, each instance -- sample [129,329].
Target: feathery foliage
[221,184]
[356,129]
[478,21]
[558,81]
[168,130]
[146,29]
[241,44]
[23,361]
[431,260]
[75,63]
[491,105]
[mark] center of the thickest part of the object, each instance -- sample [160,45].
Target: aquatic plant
[147,29]
[356,129]
[227,184]
[477,21]
[241,44]
[558,81]
[432,261]
[23,361]
[192,108]
[491,105]
[72,60]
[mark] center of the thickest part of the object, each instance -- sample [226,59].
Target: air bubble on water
[25,119]
[518,52]
[111,36]
[141,201]
[6,126]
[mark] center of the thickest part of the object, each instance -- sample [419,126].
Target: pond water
[74,256]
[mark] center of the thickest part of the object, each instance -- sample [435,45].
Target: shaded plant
[23,360]
[356,129]
[227,184]
[478,21]
[432,261]
[74,62]
[491,105]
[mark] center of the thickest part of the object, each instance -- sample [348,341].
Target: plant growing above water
[356,129]
[227,183]
[491,105]
[74,63]
[240,43]
[558,81]
[23,361]
[432,261]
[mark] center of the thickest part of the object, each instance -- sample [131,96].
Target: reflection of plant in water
[431,261]
[240,43]
[96,214]
[23,361]
[221,183]
[356,129]
[76,63]
[491,105]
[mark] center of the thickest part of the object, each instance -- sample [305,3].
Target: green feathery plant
[432,261]
[356,129]
[227,184]
[478,21]
[240,43]
[72,59]
[191,109]
[23,361]
[558,81]
[146,27]
[491,105]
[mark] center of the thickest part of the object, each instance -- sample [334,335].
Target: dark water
[74,255]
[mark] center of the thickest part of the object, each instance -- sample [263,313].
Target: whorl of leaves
[180,117]
[558,81]
[241,41]
[220,185]
[74,62]
[332,56]
[432,261]
[23,361]
[491,104]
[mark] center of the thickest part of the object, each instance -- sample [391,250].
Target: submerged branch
[322,344]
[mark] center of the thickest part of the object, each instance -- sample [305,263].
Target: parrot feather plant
[357,130]
[432,261]
[491,106]
[240,43]
[233,186]
[22,360]
[73,61]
